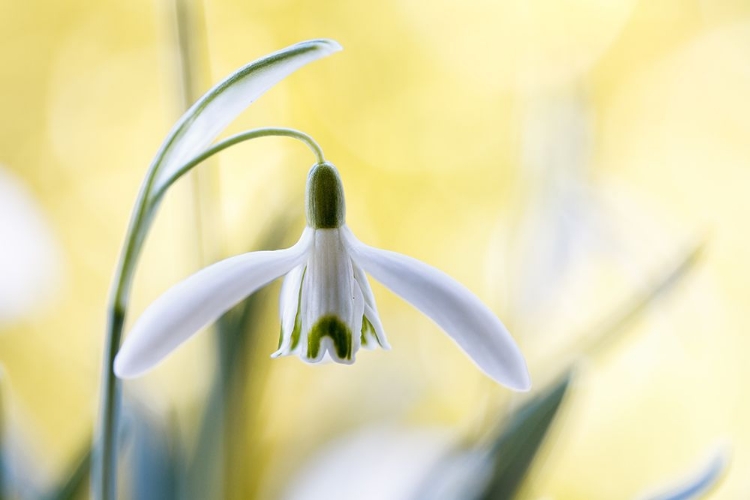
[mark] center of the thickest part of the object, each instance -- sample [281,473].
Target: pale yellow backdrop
[483,137]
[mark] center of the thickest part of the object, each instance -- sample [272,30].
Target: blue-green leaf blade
[700,483]
[210,115]
[516,447]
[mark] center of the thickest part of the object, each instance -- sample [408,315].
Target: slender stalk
[242,137]
[191,44]
[104,468]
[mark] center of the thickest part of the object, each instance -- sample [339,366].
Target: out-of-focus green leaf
[495,469]
[152,455]
[608,331]
[75,480]
[614,325]
[700,483]
[515,448]
[217,462]
[154,465]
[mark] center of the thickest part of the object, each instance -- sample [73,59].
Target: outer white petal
[200,299]
[361,277]
[374,318]
[452,306]
[205,120]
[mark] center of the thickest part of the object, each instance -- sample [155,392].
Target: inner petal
[291,291]
[332,303]
[372,329]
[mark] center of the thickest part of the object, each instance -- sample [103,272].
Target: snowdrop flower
[327,307]
[400,461]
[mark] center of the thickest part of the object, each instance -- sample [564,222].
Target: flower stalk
[190,138]
[104,465]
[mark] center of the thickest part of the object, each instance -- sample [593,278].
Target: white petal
[197,301]
[329,290]
[288,307]
[206,119]
[452,306]
[361,277]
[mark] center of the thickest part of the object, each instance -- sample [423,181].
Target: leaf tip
[327,45]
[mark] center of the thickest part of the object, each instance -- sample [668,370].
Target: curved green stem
[104,467]
[241,137]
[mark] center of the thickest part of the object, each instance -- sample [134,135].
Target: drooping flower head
[327,308]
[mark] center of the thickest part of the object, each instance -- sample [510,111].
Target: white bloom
[399,462]
[327,307]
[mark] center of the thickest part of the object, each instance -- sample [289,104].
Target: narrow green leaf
[519,440]
[222,445]
[615,324]
[75,480]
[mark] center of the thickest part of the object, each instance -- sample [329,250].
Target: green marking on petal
[366,328]
[368,331]
[330,326]
[296,333]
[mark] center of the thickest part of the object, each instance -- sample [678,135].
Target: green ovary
[332,327]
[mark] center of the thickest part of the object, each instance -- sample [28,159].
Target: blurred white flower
[563,224]
[574,236]
[29,254]
[327,306]
[383,462]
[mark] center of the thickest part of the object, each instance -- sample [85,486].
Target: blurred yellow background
[551,155]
